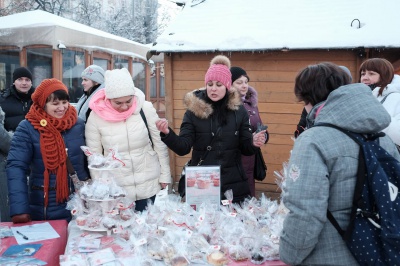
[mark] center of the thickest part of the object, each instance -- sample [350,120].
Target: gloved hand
[21,218]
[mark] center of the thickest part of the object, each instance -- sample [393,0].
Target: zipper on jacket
[129,152]
[24,106]
[44,207]
[69,179]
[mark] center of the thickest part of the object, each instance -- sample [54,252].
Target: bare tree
[119,22]
[57,7]
[150,20]
[88,12]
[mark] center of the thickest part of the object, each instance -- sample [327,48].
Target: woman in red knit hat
[38,149]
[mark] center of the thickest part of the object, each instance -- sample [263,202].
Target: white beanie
[94,73]
[119,83]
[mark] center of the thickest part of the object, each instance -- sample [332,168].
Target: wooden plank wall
[272,74]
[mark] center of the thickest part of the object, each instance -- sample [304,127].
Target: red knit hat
[45,89]
[220,71]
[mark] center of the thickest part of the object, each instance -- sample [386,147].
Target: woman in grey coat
[323,165]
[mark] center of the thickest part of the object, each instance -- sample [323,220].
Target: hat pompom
[222,60]
[219,71]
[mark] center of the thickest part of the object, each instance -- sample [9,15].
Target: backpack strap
[148,131]
[357,197]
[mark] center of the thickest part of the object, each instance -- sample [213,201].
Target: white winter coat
[392,106]
[144,168]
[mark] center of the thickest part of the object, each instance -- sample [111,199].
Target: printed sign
[203,185]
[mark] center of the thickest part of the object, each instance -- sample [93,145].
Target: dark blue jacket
[25,158]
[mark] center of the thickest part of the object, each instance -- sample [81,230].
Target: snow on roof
[251,25]
[40,27]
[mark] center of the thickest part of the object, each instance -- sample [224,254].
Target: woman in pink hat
[216,111]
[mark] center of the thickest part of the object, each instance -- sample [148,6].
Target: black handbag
[260,168]
[182,180]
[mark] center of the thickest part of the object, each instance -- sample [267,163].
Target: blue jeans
[140,205]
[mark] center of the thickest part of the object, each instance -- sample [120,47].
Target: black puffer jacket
[15,107]
[233,140]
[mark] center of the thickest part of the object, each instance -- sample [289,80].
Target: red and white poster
[203,186]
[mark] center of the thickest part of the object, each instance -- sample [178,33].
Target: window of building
[40,63]
[162,82]
[139,75]
[9,60]
[153,83]
[121,62]
[73,65]
[101,62]
[157,88]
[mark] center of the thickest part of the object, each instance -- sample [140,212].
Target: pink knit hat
[220,71]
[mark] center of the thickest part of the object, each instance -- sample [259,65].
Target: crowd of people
[41,132]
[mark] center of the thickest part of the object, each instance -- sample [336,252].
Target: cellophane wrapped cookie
[180,258]
[98,161]
[217,258]
[178,235]
[154,248]
[197,247]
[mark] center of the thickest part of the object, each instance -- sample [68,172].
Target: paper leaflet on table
[5,231]
[21,250]
[73,260]
[101,257]
[87,245]
[34,233]
[6,261]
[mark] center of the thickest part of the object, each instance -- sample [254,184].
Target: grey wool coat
[322,174]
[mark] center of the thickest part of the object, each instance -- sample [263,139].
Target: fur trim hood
[196,103]
[251,97]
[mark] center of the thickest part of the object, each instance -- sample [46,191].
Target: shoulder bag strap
[148,131]
[70,167]
[209,147]
[384,98]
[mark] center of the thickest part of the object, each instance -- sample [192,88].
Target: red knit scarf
[52,147]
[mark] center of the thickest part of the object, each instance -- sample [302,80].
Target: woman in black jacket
[210,108]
